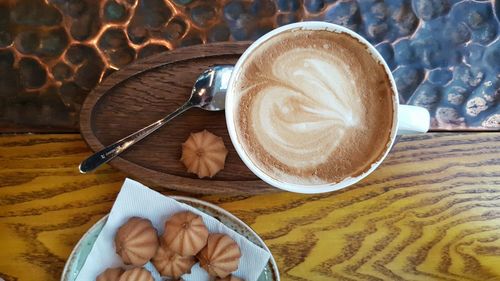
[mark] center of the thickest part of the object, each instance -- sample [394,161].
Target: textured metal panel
[445,54]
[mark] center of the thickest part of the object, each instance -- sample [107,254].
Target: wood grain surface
[148,90]
[430,212]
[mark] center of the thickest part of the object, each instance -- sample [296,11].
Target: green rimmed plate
[82,249]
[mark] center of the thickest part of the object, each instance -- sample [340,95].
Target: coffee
[312,107]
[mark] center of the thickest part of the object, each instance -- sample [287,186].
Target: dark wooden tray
[144,92]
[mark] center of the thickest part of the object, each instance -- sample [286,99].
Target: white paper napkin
[137,200]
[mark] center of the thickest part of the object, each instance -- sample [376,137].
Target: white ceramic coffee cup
[407,119]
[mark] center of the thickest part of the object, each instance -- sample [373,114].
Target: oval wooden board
[146,91]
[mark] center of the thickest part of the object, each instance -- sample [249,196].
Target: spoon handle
[113,150]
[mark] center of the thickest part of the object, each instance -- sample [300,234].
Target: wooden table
[430,212]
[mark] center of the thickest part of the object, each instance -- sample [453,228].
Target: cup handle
[413,120]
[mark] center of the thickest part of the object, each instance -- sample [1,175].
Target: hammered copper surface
[445,54]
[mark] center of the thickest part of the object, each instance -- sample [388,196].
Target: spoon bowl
[209,90]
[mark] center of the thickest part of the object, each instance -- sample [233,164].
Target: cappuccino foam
[313,107]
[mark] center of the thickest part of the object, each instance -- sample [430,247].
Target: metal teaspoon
[209,93]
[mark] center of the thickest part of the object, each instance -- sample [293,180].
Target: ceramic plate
[82,249]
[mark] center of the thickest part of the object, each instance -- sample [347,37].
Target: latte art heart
[312,107]
[304,108]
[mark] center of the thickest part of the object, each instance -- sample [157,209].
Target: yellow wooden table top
[430,212]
